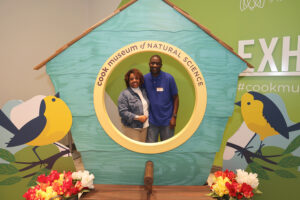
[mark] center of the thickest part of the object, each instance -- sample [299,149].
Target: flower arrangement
[228,185]
[57,186]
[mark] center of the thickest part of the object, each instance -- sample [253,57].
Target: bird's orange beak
[238,103]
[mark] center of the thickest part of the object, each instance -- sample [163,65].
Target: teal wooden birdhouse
[205,70]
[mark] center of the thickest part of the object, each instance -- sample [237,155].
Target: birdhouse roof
[183,13]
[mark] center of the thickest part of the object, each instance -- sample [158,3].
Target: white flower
[85,177]
[249,178]
[211,179]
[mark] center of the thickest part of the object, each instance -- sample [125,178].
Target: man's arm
[175,109]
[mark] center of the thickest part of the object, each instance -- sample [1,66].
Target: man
[164,101]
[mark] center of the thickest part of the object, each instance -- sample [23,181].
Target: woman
[133,107]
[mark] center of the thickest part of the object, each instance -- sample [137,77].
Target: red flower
[54,175]
[65,188]
[230,174]
[58,188]
[239,196]
[246,190]
[30,194]
[68,175]
[42,179]
[78,185]
[218,173]
[233,188]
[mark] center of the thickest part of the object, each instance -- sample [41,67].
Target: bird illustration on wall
[52,122]
[263,117]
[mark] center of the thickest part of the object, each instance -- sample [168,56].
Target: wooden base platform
[134,192]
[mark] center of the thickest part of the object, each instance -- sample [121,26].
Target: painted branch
[49,161]
[248,154]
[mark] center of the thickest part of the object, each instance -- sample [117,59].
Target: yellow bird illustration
[262,116]
[51,125]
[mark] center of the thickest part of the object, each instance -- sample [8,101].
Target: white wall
[31,31]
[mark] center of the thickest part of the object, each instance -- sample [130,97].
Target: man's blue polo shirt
[160,92]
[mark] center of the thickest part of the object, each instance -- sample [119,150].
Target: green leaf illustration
[291,161]
[257,191]
[6,155]
[293,145]
[32,181]
[285,174]
[11,180]
[8,169]
[256,168]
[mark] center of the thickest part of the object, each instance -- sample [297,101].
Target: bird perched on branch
[262,116]
[53,122]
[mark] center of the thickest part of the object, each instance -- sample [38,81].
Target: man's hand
[175,109]
[172,122]
[142,118]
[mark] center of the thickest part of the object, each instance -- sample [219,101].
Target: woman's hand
[142,118]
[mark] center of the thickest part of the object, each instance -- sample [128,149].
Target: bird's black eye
[53,99]
[248,103]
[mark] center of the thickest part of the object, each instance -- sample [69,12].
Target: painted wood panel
[89,135]
[73,73]
[128,167]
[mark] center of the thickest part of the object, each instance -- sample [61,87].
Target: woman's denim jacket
[130,105]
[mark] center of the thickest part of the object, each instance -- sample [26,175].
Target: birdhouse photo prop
[89,72]
[29,133]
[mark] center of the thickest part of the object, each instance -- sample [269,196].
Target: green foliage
[7,169]
[123,3]
[11,180]
[6,155]
[274,161]
[285,174]
[256,168]
[288,162]
[293,145]
[14,186]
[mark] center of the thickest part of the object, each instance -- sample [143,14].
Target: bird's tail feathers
[6,123]
[294,127]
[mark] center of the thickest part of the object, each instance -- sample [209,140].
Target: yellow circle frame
[193,71]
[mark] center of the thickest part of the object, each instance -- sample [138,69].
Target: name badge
[159,89]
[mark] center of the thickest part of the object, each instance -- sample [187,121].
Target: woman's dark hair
[137,73]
